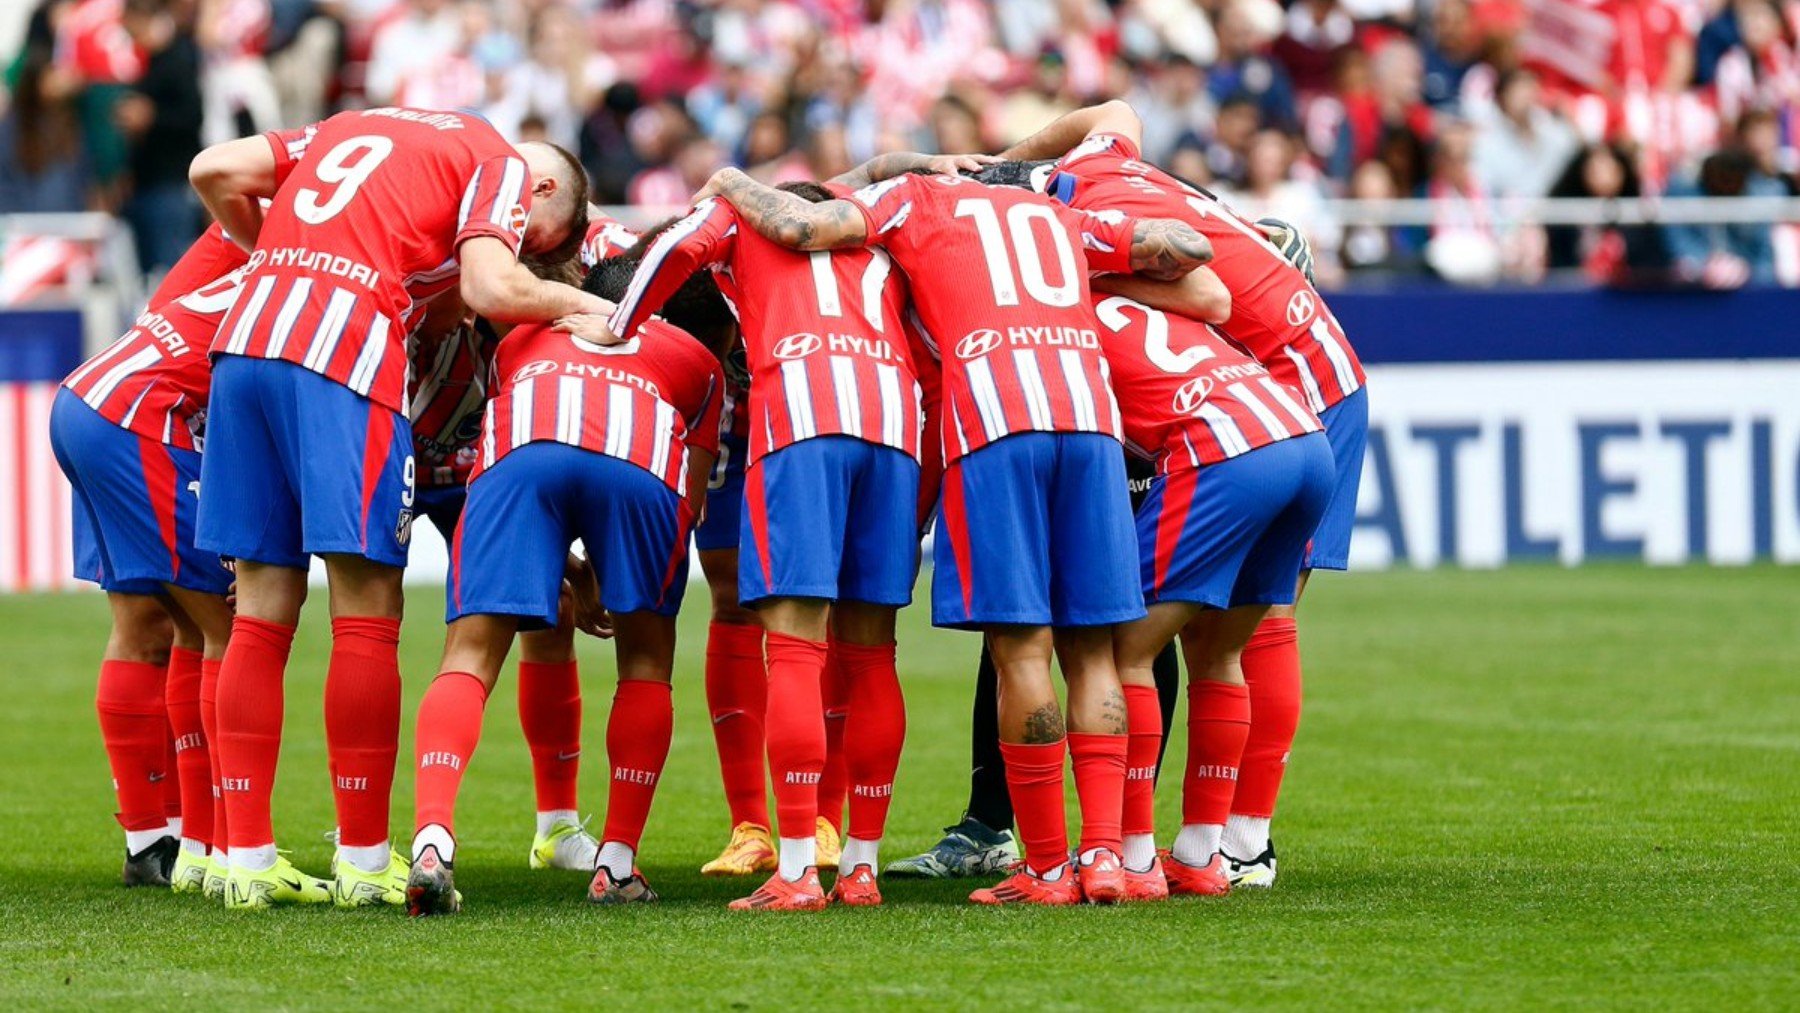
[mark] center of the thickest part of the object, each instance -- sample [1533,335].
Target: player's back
[999,278]
[211,257]
[154,379]
[1188,396]
[447,400]
[646,401]
[363,230]
[1275,311]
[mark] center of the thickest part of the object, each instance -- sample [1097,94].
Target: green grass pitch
[1534,787]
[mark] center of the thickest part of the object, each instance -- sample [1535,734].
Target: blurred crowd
[1476,103]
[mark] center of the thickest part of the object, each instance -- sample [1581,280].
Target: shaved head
[559,201]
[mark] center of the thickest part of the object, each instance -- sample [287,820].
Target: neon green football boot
[352,887]
[189,873]
[280,883]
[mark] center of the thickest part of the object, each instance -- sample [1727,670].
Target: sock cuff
[463,682]
[184,658]
[794,648]
[540,669]
[643,688]
[864,654]
[1039,758]
[1101,744]
[376,629]
[271,635]
[1218,701]
[735,639]
[1273,632]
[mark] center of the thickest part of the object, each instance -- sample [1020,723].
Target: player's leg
[197,729]
[447,731]
[129,701]
[1271,661]
[1094,586]
[638,732]
[1138,650]
[636,534]
[1218,722]
[188,786]
[251,513]
[833,782]
[550,715]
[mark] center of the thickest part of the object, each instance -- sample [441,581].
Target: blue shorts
[134,501]
[1347,427]
[1233,533]
[832,517]
[724,498]
[524,513]
[1036,530]
[297,464]
[442,505]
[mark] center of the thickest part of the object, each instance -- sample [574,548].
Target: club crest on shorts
[403,529]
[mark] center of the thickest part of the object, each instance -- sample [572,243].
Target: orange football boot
[804,894]
[1196,880]
[1147,885]
[1025,887]
[858,888]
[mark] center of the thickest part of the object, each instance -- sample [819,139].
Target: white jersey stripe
[1334,353]
[1225,430]
[799,399]
[240,335]
[487,436]
[1279,394]
[368,362]
[980,375]
[887,381]
[1112,399]
[653,261]
[110,380]
[331,330]
[1270,421]
[618,422]
[1081,396]
[508,194]
[131,413]
[1031,384]
[75,379]
[665,437]
[524,397]
[290,312]
[468,201]
[874,281]
[1309,383]
[568,410]
[849,399]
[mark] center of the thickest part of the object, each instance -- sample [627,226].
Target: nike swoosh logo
[565,757]
[154,778]
[293,884]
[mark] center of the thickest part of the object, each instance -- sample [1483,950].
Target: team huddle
[399,314]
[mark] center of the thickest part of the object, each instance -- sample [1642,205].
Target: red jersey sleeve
[1095,147]
[703,429]
[1106,236]
[704,236]
[886,205]
[497,202]
[289,147]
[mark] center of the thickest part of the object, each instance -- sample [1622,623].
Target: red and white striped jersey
[647,401]
[448,398]
[212,257]
[606,237]
[1275,312]
[364,229]
[155,379]
[1189,396]
[1000,283]
[821,331]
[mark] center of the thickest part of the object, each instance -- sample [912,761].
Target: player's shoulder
[677,348]
[1102,150]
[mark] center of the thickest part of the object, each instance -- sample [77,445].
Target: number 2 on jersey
[1156,335]
[346,167]
[999,253]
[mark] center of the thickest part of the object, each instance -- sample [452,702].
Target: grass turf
[1534,786]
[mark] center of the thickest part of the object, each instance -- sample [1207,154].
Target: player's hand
[589,327]
[951,165]
[1294,247]
[715,186]
[584,593]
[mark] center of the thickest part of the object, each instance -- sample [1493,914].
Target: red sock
[362,724]
[637,746]
[1099,763]
[1218,721]
[1272,670]
[874,733]
[737,686]
[550,714]
[1034,779]
[835,780]
[193,761]
[449,726]
[250,709]
[795,726]
[171,764]
[134,727]
[209,725]
[1143,716]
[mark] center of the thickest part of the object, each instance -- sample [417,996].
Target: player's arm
[1198,296]
[231,178]
[700,238]
[1166,249]
[789,219]
[1070,129]
[901,162]
[495,285]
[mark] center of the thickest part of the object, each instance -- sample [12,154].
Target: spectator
[1759,135]
[1465,244]
[1722,254]
[1520,145]
[1173,103]
[1451,50]
[162,117]
[558,82]
[1228,155]
[1610,254]
[42,163]
[426,35]
[1318,33]
[1245,69]
[1272,189]
[1045,98]
[239,92]
[1376,249]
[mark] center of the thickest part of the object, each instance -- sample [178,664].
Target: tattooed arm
[1065,132]
[1165,249]
[1199,296]
[897,163]
[789,219]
